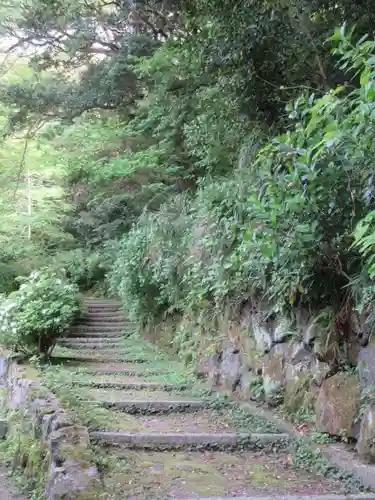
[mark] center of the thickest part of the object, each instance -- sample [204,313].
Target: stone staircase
[162,438]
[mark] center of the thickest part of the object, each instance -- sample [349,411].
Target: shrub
[82,267]
[281,227]
[7,278]
[33,317]
[147,272]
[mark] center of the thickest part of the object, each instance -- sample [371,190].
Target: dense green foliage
[33,317]
[280,228]
[201,153]
[83,268]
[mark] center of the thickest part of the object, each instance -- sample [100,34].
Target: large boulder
[262,336]
[320,372]
[281,330]
[252,360]
[298,360]
[366,365]
[72,471]
[273,374]
[337,405]
[244,389]
[366,440]
[298,367]
[230,367]
[208,367]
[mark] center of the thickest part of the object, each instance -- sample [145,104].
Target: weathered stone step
[126,369]
[100,320]
[95,359]
[112,354]
[101,302]
[98,328]
[175,441]
[102,308]
[103,314]
[152,407]
[97,335]
[202,421]
[136,386]
[92,340]
[106,319]
[205,474]
[88,350]
[90,345]
[144,401]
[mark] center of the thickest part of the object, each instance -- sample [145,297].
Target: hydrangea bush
[33,317]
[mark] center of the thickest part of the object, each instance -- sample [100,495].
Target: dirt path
[161,436]
[7,490]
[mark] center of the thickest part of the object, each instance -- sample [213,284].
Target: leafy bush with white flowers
[33,317]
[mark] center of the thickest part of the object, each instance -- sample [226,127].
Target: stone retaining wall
[71,473]
[277,360]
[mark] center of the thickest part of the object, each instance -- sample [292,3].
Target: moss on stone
[298,395]
[338,404]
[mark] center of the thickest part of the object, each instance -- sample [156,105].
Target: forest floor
[7,488]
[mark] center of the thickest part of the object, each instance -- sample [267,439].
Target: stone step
[103,314]
[176,441]
[98,328]
[97,335]
[100,300]
[112,354]
[152,407]
[102,308]
[92,340]
[213,474]
[128,370]
[100,320]
[134,386]
[90,345]
[96,359]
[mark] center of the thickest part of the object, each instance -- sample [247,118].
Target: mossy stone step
[98,335]
[101,302]
[120,351]
[136,386]
[177,441]
[99,328]
[116,368]
[113,354]
[153,407]
[92,359]
[91,345]
[112,394]
[144,401]
[100,320]
[103,314]
[103,323]
[201,474]
[127,372]
[92,340]
[102,308]
[204,421]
